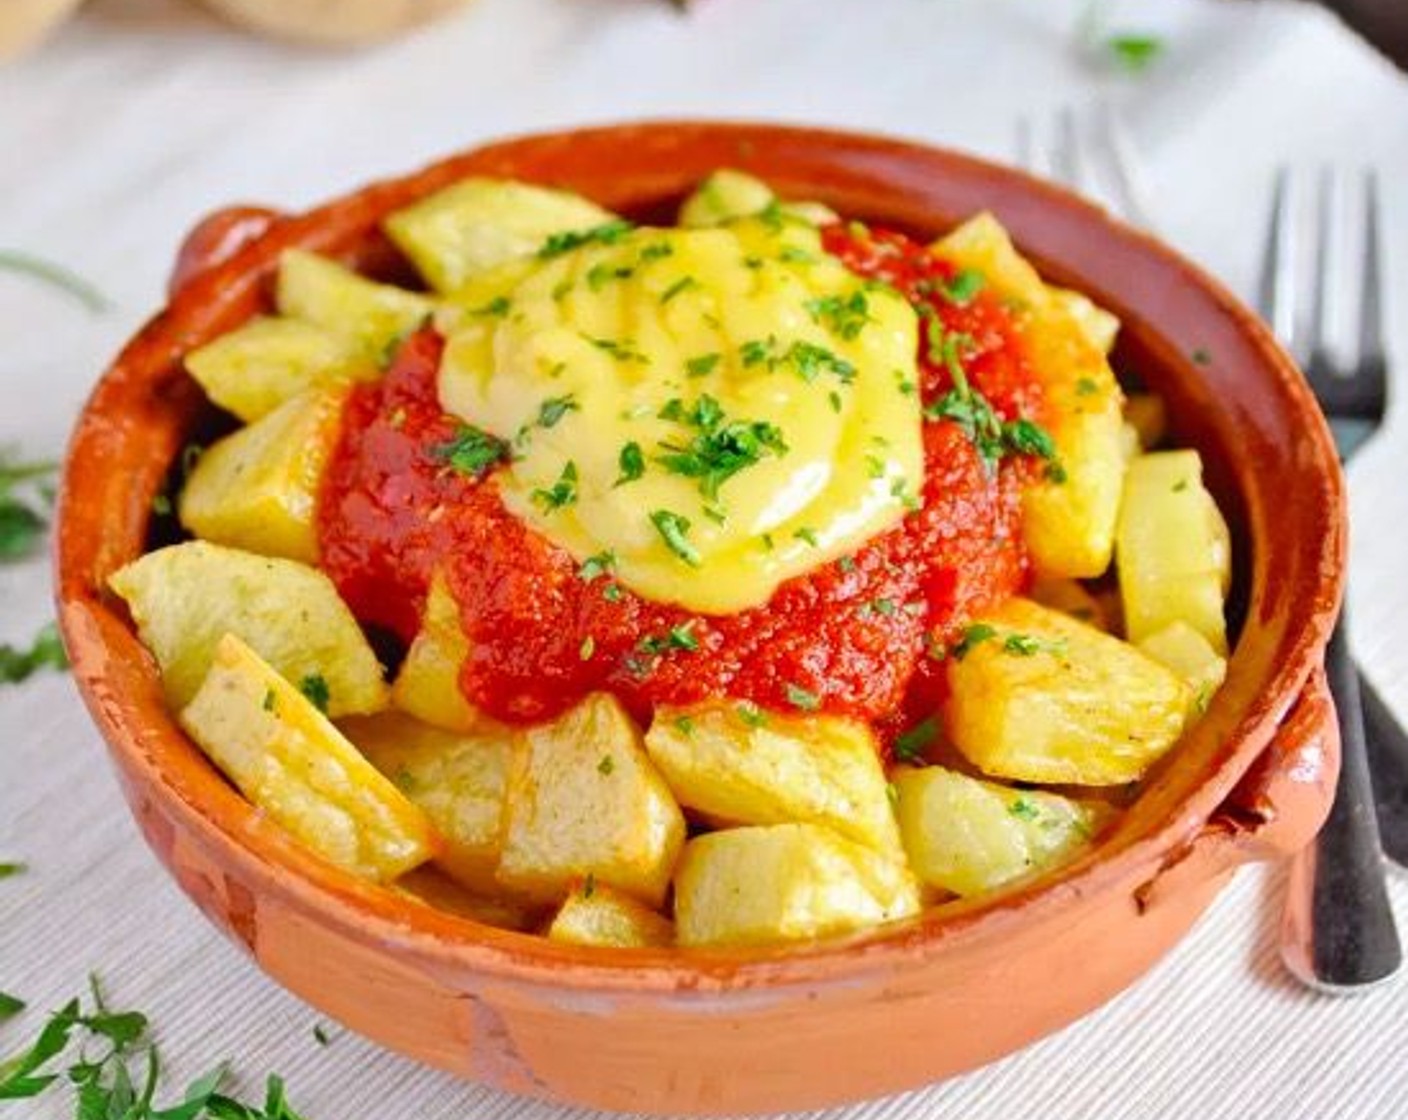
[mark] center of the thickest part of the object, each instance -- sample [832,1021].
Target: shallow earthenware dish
[808,1025]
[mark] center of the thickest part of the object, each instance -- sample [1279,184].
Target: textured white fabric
[146,113]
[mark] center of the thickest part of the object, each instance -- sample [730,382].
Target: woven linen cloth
[144,114]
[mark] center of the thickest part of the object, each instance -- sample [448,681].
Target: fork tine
[1322,307]
[1371,323]
[1277,298]
[1122,161]
[1065,156]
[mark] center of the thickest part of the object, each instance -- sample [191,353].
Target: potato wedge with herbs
[428,685]
[371,316]
[1174,551]
[595,914]
[1191,656]
[459,779]
[1148,416]
[750,886]
[585,799]
[728,194]
[969,836]
[1038,697]
[187,597]
[257,367]
[742,766]
[258,488]
[430,886]
[1070,515]
[478,224]
[290,761]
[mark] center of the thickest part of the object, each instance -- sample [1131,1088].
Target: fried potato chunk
[585,799]
[255,368]
[1070,515]
[1191,656]
[258,488]
[290,761]
[969,836]
[372,316]
[186,597]
[750,886]
[428,685]
[458,778]
[595,914]
[745,767]
[478,224]
[1174,554]
[1038,697]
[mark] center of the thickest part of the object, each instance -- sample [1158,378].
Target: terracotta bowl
[801,1026]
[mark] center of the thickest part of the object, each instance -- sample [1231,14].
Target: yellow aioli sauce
[657,352]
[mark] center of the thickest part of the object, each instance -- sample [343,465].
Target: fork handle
[1388,764]
[1338,932]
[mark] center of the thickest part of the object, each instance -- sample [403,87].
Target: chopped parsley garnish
[910,746]
[498,306]
[802,698]
[807,536]
[600,564]
[607,233]
[1086,387]
[10,1006]
[114,1070]
[315,687]
[684,283]
[11,869]
[974,636]
[555,408]
[621,350]
[56,276]
[720,448]
[47,650]
[631,462]
[808,359]
[1026,645]
[320,1034]
[606,765]
[562,493]
[685,724]
[1135,53]
[1180,486]
[471,450]
[161,505]
[601,274]
[674,531]
[612,593]
[586,649]
[750,713]
[589,885]
[270,700]
[1024,809]
[965,406]
[847,564]
[963,287]
[845,316]
[1202,356]
[656,250]
[834,398]
[702,365]
[22,518]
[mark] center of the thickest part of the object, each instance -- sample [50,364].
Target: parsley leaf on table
[54,275]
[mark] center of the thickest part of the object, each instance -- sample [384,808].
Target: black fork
[1338,933]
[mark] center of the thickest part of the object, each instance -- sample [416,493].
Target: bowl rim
[229,826]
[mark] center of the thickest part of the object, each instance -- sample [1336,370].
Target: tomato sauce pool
[862,636]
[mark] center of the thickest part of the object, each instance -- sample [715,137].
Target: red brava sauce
[862,636]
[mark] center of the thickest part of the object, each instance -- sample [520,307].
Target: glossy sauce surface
[861,635]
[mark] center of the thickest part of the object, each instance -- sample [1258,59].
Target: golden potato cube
[258,488]
[585,799]
[478,224]
[372,316]
[1038,697]
[458,778]
[1174,553]
[1101,327]
[185,598]
[594,914]
[430,886]
[290,761]
[1192,657]
[723,196]
[783,882]
[1146,414]
[969,836]
[775,769]
[1070,514]
[257,367]
[428,685]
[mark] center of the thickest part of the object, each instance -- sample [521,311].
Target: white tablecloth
[145,113]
